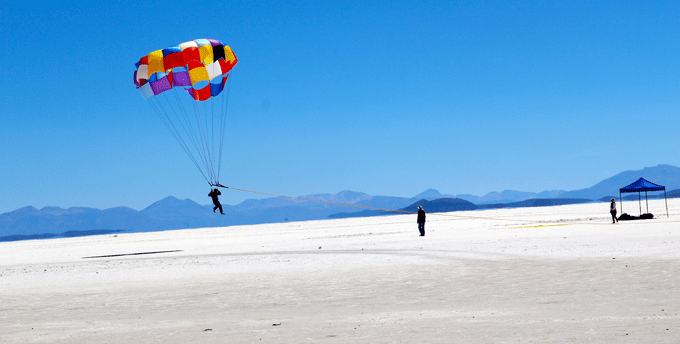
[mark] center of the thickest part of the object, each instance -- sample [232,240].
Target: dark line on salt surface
[131,254]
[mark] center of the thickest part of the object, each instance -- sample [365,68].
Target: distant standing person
[612,210]
[213,194]
[421,221]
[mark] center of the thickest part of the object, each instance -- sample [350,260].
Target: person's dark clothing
[421,221]
[421,216]
[213,194]
[612,210]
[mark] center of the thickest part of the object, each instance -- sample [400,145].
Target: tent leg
[640,202]
[646,202]
[620,203]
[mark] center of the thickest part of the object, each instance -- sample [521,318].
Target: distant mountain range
[666,175]
[172,213]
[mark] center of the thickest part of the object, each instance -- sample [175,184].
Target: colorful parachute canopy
[200,66]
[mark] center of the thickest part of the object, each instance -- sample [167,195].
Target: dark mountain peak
[166,200]
[172,201]
[172,204]
[428,194]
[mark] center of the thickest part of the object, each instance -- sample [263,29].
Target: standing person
[213,194]
[421,221]
[612,210]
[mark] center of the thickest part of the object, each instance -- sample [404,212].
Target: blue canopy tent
[643,185]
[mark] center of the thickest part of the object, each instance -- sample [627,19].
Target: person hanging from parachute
[214,193]
[185,86]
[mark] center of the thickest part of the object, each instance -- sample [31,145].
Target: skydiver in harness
[213,194]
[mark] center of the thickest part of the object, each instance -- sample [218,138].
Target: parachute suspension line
[201,126]
[200,132]
[194,131]
[210,136]
[164,117]
[183,118]
[215,121]
[223,125]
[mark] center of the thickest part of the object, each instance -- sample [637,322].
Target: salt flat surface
[560,274]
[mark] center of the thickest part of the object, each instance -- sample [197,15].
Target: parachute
[185,86]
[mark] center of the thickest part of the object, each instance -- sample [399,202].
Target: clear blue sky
[384,97]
